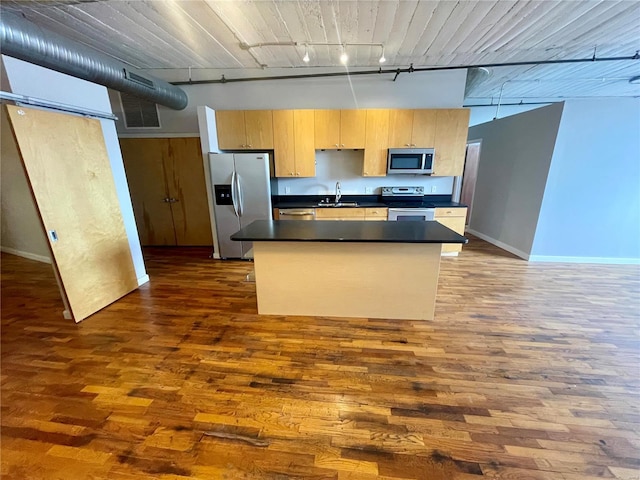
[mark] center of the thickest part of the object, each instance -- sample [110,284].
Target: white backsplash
[345,166]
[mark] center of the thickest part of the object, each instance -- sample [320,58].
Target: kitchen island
[347,269]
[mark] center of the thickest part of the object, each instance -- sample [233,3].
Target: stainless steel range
[405,204]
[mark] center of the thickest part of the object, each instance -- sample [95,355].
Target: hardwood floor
[529,371]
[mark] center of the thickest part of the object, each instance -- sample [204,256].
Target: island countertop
[347,231]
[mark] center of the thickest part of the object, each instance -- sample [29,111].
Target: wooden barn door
[69,173]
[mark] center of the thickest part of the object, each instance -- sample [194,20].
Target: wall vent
[139,113]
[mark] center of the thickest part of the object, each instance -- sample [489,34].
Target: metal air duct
[26,41]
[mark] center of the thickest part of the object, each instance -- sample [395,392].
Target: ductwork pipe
[26,41]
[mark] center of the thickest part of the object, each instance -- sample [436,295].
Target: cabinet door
[305,152]
[231,129]
[376,214]
[283,143]
[259,128]
[451,141]
[424,128]
[184,171]
[400,128]
[376,143]
[327,129]
[144,165]
[352,128]
[340,213]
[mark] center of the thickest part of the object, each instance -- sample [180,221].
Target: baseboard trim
[30,256]
[142,280]
[498,243]
[599,260]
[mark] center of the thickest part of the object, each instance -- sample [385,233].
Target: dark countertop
[364,201]
[352,231]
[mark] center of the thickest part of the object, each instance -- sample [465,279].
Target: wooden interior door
[185,180]
[144,164]
[70,176]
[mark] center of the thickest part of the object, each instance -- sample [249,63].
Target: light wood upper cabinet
[293,149]
[245,129]
[376,143]
[423,131]
[412,128]
[450,141]
[335,129]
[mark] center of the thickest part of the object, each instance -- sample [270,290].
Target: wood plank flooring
[529,371]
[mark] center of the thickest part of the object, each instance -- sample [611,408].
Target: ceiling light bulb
[305,59]
[344,57]
[382,59]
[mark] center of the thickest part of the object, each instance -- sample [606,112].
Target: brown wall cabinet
[335,129]
[293,151]
[168,192]
[245,129]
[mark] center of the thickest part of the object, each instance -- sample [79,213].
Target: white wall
[591,206]
[21,232]
[346,167]
[31,80]
[416,90]
[515,156]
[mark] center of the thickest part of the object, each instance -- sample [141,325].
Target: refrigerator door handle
[240,199]
[234,193]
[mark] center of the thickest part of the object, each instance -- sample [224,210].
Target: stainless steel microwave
[410,161]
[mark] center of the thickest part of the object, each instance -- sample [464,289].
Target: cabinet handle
[249,145]
[342,145]
[336,144]
[166,200]
[366,173]
[407,144]
[297,174]
[290,173]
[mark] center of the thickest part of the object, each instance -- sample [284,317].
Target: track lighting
[344,57]
[305,59]
[382,59]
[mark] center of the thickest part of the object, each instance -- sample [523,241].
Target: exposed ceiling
[162,35]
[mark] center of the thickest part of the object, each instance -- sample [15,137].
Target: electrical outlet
[433,189]
[287,190]
[368,190]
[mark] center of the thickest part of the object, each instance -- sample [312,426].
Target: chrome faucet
[338,192]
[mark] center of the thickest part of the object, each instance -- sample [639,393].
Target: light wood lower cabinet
[453,218]
[168,192]
[340,213]
[376,213]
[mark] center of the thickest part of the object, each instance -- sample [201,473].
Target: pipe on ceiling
[411,69]
[26,41]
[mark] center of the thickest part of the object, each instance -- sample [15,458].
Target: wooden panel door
[352,128]
[231,130]
[424,128]
[259,129]
[451,141]
[376,143]
[144,165]
[400,128]
[69,173]
[187,190]
[283,143]
[305,153]
[327,129]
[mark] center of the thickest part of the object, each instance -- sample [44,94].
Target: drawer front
[377,212]
[451,212]
[340,213]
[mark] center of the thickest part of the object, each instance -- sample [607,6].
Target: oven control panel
[402,191]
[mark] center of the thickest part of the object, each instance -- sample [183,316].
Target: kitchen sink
[337,204]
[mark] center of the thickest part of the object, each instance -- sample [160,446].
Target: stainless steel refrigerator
[241,194]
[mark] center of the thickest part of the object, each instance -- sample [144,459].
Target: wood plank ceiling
[214,34]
